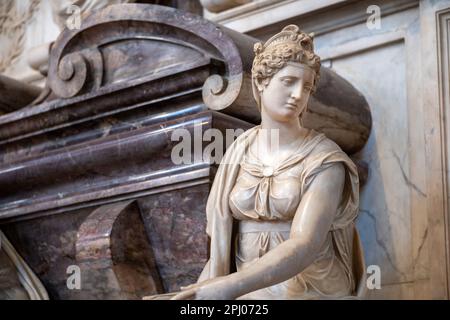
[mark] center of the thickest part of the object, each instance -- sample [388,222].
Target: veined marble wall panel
[384,65]
[385,206]
[385,213]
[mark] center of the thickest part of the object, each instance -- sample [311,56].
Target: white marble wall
[385,220]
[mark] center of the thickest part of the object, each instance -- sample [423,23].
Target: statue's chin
[285,115]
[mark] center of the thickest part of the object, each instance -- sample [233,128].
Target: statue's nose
[296,92]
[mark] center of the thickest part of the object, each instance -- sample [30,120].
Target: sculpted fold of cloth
[17,280]
[281,212]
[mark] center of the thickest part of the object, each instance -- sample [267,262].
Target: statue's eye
[307,87]
[287,81]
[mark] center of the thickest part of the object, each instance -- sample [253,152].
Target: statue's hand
[212,289]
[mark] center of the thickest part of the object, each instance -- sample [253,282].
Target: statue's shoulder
[250,131]
[246,136]
[329,151]
[323,144]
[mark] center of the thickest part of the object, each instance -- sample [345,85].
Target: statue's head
[285,73]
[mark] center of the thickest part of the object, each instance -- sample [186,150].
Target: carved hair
[290,45]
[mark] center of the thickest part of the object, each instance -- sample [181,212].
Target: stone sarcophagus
[87,171]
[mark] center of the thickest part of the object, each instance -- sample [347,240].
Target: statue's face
[287,94]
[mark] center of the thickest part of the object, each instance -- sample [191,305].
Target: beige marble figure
[281,211]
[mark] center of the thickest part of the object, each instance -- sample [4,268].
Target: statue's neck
[288,132]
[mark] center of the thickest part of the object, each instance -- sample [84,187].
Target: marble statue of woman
[280,214]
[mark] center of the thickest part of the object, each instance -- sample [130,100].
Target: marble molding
[221,5]
[15,94]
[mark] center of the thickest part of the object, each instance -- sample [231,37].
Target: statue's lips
[291,105]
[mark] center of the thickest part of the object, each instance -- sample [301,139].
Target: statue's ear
[256,93]
[260,85]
